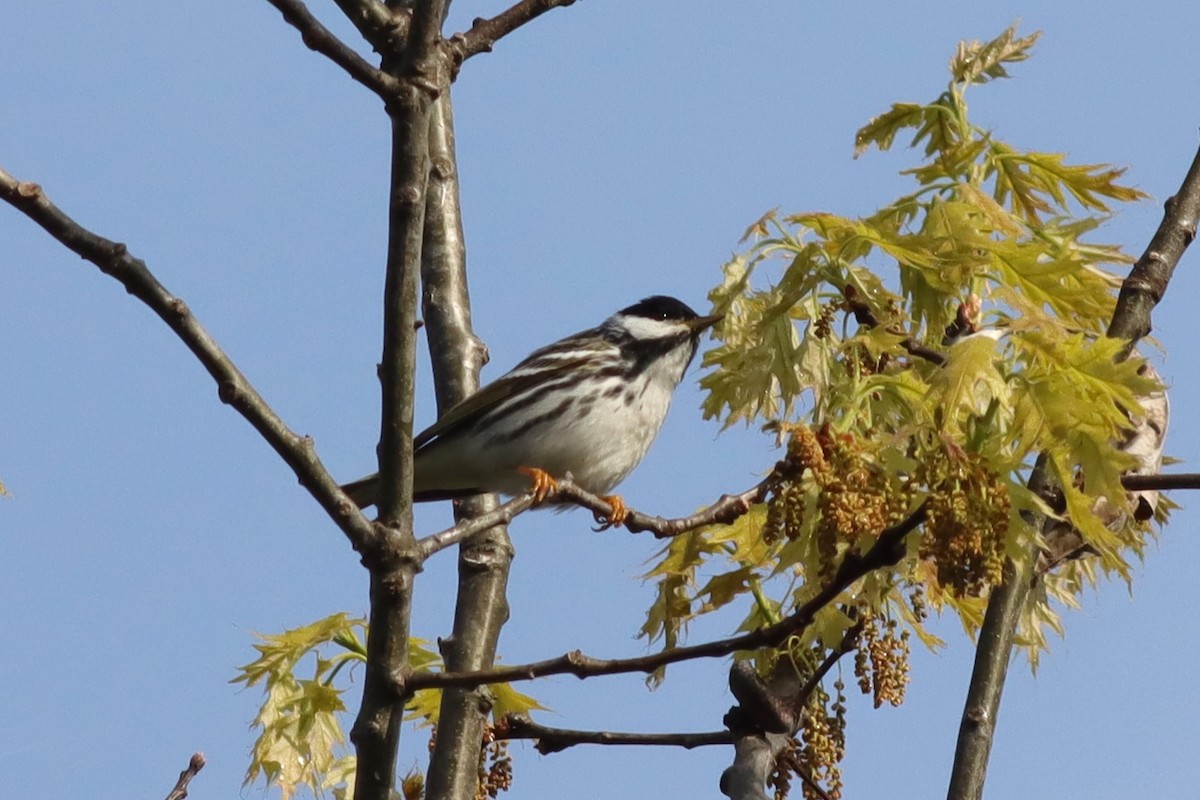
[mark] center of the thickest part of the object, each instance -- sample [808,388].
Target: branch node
[397,682]
[177,306]
[409,195]
[30,190]
[229,393]
[180,791]
[442,168]
[760,708]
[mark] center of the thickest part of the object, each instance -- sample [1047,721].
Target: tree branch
[457,355]
[1147,281]
[887,551]
[320,39]
[1164,482]
[382,27]
[195,764]
[864,316]
[768,714]
[420,72]
[554,740]
[484,33]
[992,656]
[727,509]
[1140,293]
[114,260]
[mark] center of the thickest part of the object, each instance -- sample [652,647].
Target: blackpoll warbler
[588,405]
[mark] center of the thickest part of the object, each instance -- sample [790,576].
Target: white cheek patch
[649,329]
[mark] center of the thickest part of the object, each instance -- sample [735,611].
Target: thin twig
[793,763]
[848,642]
[195,764]
[320,39]
[887,551]
[484,33]
[501,515]
[728,508]
[724,511]
[1161,482]
[114,260]
[864,316]
[553,740]
[1147,281]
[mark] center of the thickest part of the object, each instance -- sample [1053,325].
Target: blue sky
[608,151]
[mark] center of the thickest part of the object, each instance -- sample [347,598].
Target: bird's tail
[364,491]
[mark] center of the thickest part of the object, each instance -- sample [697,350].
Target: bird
[587,406]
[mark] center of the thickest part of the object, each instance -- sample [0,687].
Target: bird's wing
[524,376]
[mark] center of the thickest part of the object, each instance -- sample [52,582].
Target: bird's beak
[700,324]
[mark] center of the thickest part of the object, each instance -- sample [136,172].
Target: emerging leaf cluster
[949,340]
[301,742]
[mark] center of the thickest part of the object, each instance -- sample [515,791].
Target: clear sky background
[610,150]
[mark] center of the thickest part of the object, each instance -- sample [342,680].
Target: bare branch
[319,38]
[553,740]
[484,33]
[502,515]
[728,508]
[421,72]
[1147,281]
[457,355]
[1165,483]
[992,656]
[768,714]
[195,764]
[114,260]
[887,551]
[724,511]
[382,27]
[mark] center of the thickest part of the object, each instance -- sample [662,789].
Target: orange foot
[543,483]
[619,511]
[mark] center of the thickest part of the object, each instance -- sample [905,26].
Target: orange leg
[619,512]
[543,483]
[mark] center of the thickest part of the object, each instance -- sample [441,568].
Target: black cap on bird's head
[662,308]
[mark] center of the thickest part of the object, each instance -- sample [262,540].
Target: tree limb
[320,39]
[1147,281]
[768,714]
[887,551]
[992,656]
[484,33]
[381,26]
[457,355]
[1140,292]
[114,260]
[727,509]
[419,71]
[1164,482]
[195,764]
[553,740]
